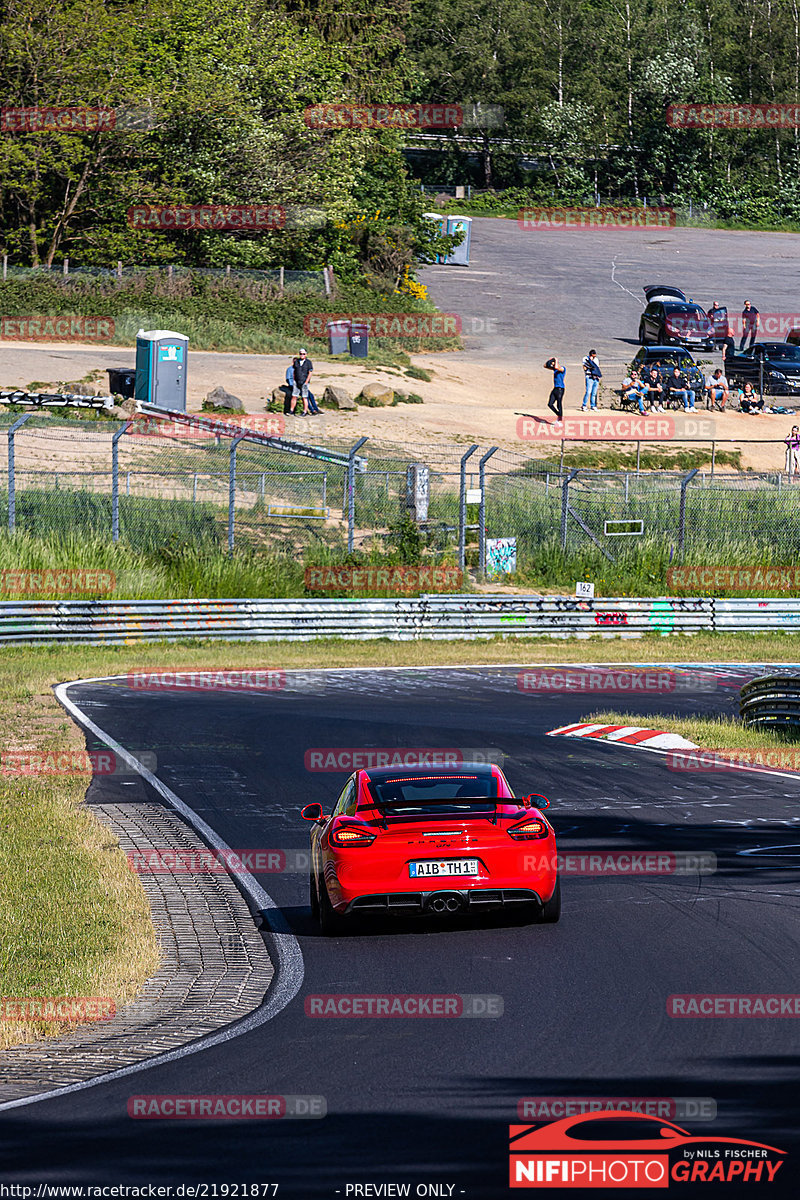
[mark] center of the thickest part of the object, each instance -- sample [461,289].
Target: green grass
[603,459]
[228,316]
[711,733]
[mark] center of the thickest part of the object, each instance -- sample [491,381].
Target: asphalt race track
[429,1101]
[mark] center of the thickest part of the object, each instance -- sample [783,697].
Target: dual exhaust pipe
[441,904]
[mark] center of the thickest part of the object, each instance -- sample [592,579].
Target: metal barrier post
[12,500]
[232,490]
[351,494]
[565,507]
[482,510]
[115,480]
[462,507]
[687,479]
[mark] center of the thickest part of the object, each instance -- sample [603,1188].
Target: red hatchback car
[434,841]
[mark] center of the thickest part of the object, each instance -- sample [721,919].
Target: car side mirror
[537,801]
[311,812]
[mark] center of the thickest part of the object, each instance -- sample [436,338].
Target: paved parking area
[530,293]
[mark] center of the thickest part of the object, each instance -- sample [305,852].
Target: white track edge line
[287,961]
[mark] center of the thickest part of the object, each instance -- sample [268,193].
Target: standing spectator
[557,394]
[651,382]
[717,390]
[718,317]
[302,368]
[677,386]
[750,323]
[287,399]
[793,452]
[591,369]
[634,389]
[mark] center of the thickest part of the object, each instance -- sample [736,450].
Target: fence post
[482,510]
[194,489]
[713,457]
[351,493]
[5,265]
[12,502]
[462,506]
[325,490]
[326,280]
[119,268]
[565,506]
[115,480]
[232,490]
[281,280]
[66,266]
[638,457]
[687,479]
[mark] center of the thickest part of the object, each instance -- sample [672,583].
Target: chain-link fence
[153,483]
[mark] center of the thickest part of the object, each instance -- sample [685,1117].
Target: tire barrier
[772,702]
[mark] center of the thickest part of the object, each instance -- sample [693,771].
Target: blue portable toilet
[161,360]
[461,253]
[439,220]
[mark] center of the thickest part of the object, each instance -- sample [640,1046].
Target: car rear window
[435,794]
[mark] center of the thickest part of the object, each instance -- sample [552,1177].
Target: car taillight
[351,835]
[529,829]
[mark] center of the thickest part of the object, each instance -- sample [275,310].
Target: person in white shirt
[717,390]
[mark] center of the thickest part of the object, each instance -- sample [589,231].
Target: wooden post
[227,272]
[66,266]
[281,281]
[5,265]
[119,268]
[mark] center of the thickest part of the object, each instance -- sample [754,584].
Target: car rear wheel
[642,338]
[551,911]
[331,924]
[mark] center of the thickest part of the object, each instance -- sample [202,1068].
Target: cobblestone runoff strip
[215,968]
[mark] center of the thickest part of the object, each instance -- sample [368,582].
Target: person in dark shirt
[750,323]
[651,382]
[302,367]
[677,385]
[555,403]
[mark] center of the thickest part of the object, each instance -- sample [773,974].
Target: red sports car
[431,840]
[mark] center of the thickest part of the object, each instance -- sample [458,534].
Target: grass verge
[711,733]
[75,920]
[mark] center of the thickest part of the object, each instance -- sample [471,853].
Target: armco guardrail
[771,702]
[463,616]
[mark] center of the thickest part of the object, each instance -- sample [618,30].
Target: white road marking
[283,945]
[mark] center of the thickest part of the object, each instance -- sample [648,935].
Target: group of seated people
[658,387]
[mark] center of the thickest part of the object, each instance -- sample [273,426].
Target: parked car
[669,357]
[781,367]
[671,319]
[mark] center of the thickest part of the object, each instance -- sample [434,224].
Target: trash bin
[338,336]
[461,253]
[122,381]
[359,341]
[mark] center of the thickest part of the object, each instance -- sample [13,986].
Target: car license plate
[442,867]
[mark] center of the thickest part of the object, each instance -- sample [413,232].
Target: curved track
[429,1101]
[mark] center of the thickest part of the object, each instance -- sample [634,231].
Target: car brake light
[529,829]
[350,835]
